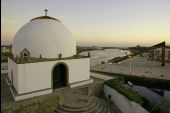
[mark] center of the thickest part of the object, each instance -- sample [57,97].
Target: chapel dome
[46,36]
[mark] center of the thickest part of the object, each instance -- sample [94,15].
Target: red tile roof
[44,17]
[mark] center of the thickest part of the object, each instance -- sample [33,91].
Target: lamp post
[130,62]
[110,103]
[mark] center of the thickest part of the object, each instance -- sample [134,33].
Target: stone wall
[47,103]
[121,102]
[44,104]
[95,89]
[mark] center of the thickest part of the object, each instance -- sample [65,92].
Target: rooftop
[45,17]
[33,59]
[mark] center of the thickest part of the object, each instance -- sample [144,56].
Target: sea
[98,56]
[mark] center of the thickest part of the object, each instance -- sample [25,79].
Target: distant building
[158,52]
[5,49]
[150,56]
[97,48]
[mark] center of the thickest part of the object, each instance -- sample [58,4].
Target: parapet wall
[125,105]
[95,89]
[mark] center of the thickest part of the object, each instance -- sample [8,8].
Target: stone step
[93,105]
[93,109]
[80,109]
[89,103]
[59,111]
[100,109]
[106,108]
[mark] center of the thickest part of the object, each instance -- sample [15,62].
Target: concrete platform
[100,76]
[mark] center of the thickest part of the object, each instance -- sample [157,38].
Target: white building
[5,49]
[158,52]
[45,58]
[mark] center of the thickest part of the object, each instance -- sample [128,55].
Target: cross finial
[45,12]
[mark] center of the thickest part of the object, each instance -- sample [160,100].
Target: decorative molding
[24,55]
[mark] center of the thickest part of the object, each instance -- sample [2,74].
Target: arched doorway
[60,72]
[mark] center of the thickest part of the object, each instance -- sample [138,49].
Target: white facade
[46,37]
[5,49]
[158,52]
[45,59]
[31,77]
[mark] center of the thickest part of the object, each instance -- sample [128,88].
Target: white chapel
[45,58]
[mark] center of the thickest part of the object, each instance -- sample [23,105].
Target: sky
[95,22]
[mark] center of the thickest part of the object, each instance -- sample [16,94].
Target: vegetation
[90,48]
[4,56]
[117,84]
[118,59]
[138,49]
[114,48]
[127,92]
[144,81]
[154,108]
[7,46]
[159,109]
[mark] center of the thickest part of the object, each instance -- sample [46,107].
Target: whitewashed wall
[125,105]
[33,76]
[37,76]
[12,66]
[79,70]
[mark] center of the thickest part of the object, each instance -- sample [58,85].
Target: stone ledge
[81,83]
[29,95]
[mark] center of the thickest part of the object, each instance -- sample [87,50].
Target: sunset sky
[95,22]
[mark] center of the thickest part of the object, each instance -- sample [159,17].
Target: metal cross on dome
[45,12]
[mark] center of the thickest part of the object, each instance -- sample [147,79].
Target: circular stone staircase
[84,104]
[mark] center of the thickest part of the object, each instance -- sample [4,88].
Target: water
[158,96]
[99,56]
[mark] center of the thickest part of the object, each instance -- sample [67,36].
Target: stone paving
[137,66]
[6,96]
[77,101]
[4,67]
[84,104]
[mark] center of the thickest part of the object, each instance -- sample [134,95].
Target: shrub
[116,83]
[144,81]
[4,56]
